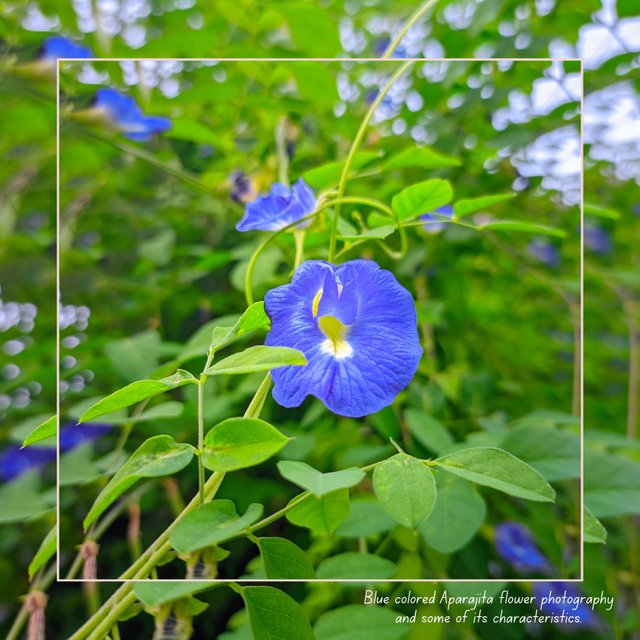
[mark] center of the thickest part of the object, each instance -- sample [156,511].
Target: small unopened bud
[89,554]
[36,603]
[133,530]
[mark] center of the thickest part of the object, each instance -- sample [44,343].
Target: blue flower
[74,435]
[60,47]
[435,227]
[279,208]
[597,239]
[356,325]
[124,114]
[544,252]
[557,598]
[516,545]
[15,461]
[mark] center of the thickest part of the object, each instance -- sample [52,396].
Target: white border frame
[581,348]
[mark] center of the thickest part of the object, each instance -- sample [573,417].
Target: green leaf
[260,358]
[192,131]
[471,205]
[421,157]
[526,227]
[356,566]
[157,456]
[43,431]
[153,593]
[45,551]
[611,486]
[274,615]
[366,518]
[283,560]
[211,524]
[252,319]
[377,233]
[238,443]
[136,392]
[591,209]
[359,622]
[428,431]
[594,532]
[316,482]
[322,515]
[406,489]
[328,175]
[499,470]
[456,517]
[553,453]
[421,198]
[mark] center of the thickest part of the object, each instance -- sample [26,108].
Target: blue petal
[384,342]
[15,461]
[56,47]
[516,545]
[279,208]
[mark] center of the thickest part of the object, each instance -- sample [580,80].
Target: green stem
[109,620]
[264,244]
[201,439]
[420,11]
[376,204]
[201,383]
[298,237]
[281,148]
[141,155]
[352,152]
[141,568]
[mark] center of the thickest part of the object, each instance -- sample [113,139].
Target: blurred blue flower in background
[57,47]
[549,597]
[544,252]
[356,325]
[597,239]
[124,114]
[75,434]
[279,208]
[15,461]
[381,46]
[516,545]
[435,225]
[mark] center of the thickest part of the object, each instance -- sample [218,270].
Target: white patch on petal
[340,350]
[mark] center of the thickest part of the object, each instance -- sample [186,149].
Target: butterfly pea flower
[74,435]
[544,252]
[558,597]
[57,47]
[516,545]
[434,218]
[356,326]
[123,113]
[279,208]
[15,460]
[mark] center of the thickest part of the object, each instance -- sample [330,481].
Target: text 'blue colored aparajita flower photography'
[356,325]
[279,208]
